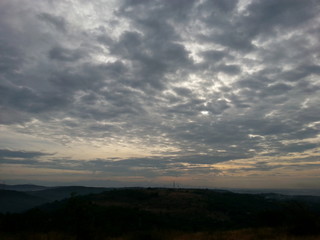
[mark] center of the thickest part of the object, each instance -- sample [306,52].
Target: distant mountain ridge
[293,192]
[19,198]
[14,201]
[22,187]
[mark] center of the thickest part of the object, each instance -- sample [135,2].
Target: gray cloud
[298,147]
[63,54]
[21,157]
[56,21]
[21,154]
[199,77]
[147,167]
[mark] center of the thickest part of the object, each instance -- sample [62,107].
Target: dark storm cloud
[198,76]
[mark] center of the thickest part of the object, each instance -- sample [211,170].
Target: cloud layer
[179,87]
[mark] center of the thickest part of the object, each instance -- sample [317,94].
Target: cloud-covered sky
[216,93]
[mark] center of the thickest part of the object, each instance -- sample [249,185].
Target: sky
[217,93]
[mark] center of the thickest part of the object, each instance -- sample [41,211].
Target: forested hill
[121,212]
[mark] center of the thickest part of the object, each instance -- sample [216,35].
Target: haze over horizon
[220,93]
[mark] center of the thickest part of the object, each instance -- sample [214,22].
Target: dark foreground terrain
[139,213]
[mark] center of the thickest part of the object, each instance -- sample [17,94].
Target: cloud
[56,21]
[298,147]
[26,99]
[21,154]
[193,82]
[64,54]
[21,157]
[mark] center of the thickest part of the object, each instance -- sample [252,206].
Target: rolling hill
[156,213]
[19,198]
[14,201]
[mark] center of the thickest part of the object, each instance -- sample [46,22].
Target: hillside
[59,193]
[13,201]
[24,197]
[127,213]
